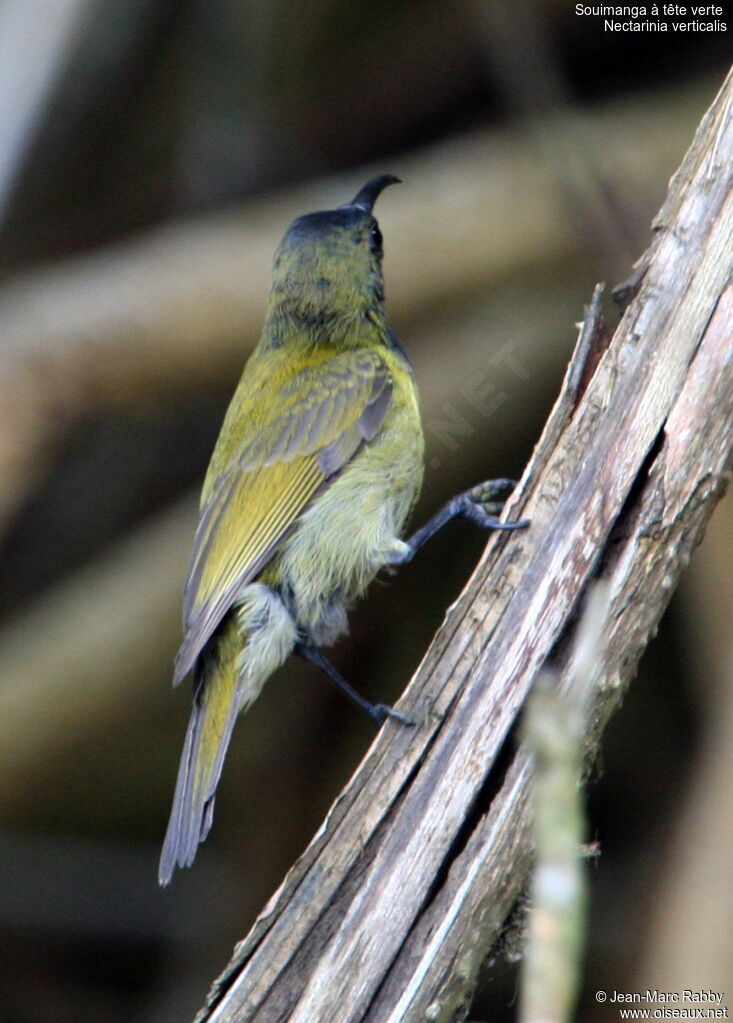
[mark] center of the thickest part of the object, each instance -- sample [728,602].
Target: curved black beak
[368,195]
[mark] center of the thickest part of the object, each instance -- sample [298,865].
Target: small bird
[317,466]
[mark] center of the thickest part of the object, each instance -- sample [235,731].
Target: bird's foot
[483,503]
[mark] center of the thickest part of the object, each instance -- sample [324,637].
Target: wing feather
[325,414]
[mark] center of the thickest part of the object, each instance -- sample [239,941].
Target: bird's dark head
[328,267]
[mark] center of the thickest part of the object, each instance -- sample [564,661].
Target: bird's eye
[375,238]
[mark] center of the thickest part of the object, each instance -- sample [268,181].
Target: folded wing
[321,417]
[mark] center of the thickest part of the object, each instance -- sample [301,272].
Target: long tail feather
[251,643]
[207,738]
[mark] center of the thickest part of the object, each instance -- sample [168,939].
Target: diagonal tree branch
[393,906]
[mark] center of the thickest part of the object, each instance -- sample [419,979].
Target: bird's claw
[492,492]
[483,503]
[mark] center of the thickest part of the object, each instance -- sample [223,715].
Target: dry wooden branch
[391,909]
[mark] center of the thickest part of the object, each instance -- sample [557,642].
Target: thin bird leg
[378,712]
[480,505]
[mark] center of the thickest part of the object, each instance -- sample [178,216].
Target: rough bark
[391,909]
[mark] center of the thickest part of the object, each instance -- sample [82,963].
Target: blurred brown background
[151,154]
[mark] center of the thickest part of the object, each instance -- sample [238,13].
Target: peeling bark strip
[389,912]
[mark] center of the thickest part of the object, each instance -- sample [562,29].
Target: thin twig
[554,730]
